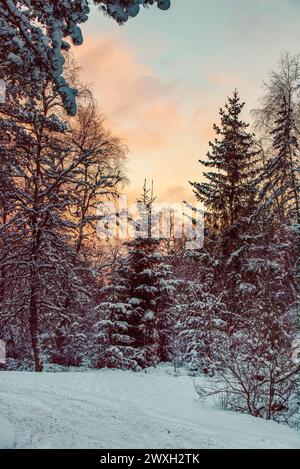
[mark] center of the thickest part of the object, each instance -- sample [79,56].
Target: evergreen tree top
[233,162]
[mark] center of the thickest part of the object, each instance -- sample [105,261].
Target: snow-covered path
[121,409]
[7,434]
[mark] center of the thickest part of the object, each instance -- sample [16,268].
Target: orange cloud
[166,127]
[137,102]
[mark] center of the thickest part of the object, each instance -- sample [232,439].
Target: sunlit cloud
[165,126]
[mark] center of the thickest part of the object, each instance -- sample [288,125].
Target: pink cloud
[165,126]
[136,101]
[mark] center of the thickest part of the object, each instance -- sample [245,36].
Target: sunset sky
[161,78]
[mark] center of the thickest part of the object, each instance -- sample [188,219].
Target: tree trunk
[33,321]
[3,268]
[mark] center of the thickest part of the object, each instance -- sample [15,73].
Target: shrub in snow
[257,376]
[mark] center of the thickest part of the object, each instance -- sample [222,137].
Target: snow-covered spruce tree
[134,322]
[281,175]
[227,194]
[110,340]
[166,313]
[200,312]
[227,189]
[151,286]
[258,372]
[278,122]
[140,270]
[35,34]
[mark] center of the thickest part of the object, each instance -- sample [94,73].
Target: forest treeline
[228,310]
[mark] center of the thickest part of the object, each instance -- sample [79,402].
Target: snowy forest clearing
[123,409]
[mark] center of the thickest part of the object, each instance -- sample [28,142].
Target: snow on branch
[34,35]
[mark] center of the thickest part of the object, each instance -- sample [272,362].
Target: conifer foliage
[256,264]
[227,191]
[135,325]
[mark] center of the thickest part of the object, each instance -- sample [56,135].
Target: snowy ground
[7,434]
[122,409]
